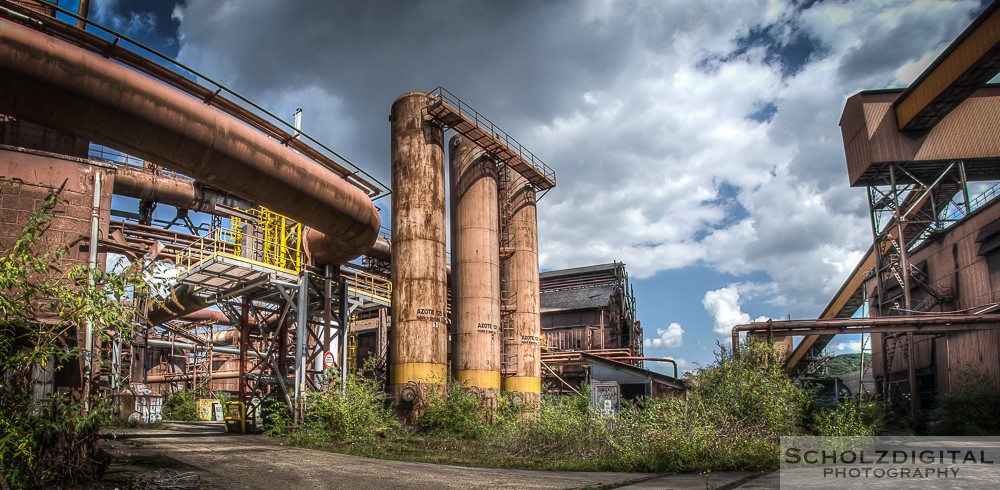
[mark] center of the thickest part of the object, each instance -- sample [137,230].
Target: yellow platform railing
[366,284]
[273,241]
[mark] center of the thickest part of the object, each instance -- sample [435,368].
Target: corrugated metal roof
[580,270]
[577,299]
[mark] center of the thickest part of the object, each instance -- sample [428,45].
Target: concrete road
[259,462]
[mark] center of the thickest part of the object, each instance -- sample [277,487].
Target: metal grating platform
[220,274]
[450,111]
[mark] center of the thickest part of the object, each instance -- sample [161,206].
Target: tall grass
[731,419]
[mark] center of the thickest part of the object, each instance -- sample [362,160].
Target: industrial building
[590,308]
[928,157]
[591,335]
[263,247]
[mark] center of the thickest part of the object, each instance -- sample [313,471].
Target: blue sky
[697,142]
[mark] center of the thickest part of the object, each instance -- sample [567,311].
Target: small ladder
[509,358]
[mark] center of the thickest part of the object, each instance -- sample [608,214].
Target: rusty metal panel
[924,347]
[977,350]
[954,260]
[969,62]
[877,363]
[943,361]
[872,138]
[972,130]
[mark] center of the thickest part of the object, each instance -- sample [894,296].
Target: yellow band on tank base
[479,378]
[420,372]
[523,384]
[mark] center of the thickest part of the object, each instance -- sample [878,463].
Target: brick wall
[25,181]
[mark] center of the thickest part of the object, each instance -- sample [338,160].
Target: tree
[44,302]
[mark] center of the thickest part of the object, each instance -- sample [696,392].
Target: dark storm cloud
[368,53]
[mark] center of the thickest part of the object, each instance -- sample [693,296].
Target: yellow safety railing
[366,284]
[235,416]
[352,344]
[274,241]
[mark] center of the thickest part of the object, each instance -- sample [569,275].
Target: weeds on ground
[731,419]
[354,412]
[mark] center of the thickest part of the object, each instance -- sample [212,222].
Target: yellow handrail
[274,241]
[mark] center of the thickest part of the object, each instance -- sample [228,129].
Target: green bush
[563,431]
[53,443]
[358,413]
[973,407]
[460,413]
[277,419]
[849,418]
[180,405]
[734,415]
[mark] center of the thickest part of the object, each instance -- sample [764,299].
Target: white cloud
[723,305]
[132,23]
[672,336]
[850,347]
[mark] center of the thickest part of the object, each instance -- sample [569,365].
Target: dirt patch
[133,466]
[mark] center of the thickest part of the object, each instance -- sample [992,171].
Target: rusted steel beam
[968,63]
[893,324]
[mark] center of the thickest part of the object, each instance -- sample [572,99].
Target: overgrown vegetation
[180,405]
[973,407]
[356,413]
[43,305]
[732,419]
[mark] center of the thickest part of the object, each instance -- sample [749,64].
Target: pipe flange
[411,393]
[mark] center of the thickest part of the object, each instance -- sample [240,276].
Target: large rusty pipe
[169,344]
[520,276]
[61,86]
[174,192]
[193,195]
[475,260]
[890,324]
[216,317]
[171,378]
[418,341]
[226,337]
[182,301]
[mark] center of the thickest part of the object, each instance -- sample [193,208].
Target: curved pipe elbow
[64,87]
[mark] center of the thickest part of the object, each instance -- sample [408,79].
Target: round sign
[328,360]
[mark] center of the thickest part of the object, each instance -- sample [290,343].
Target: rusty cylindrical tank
[418,342]
[522,348]
[475,265]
